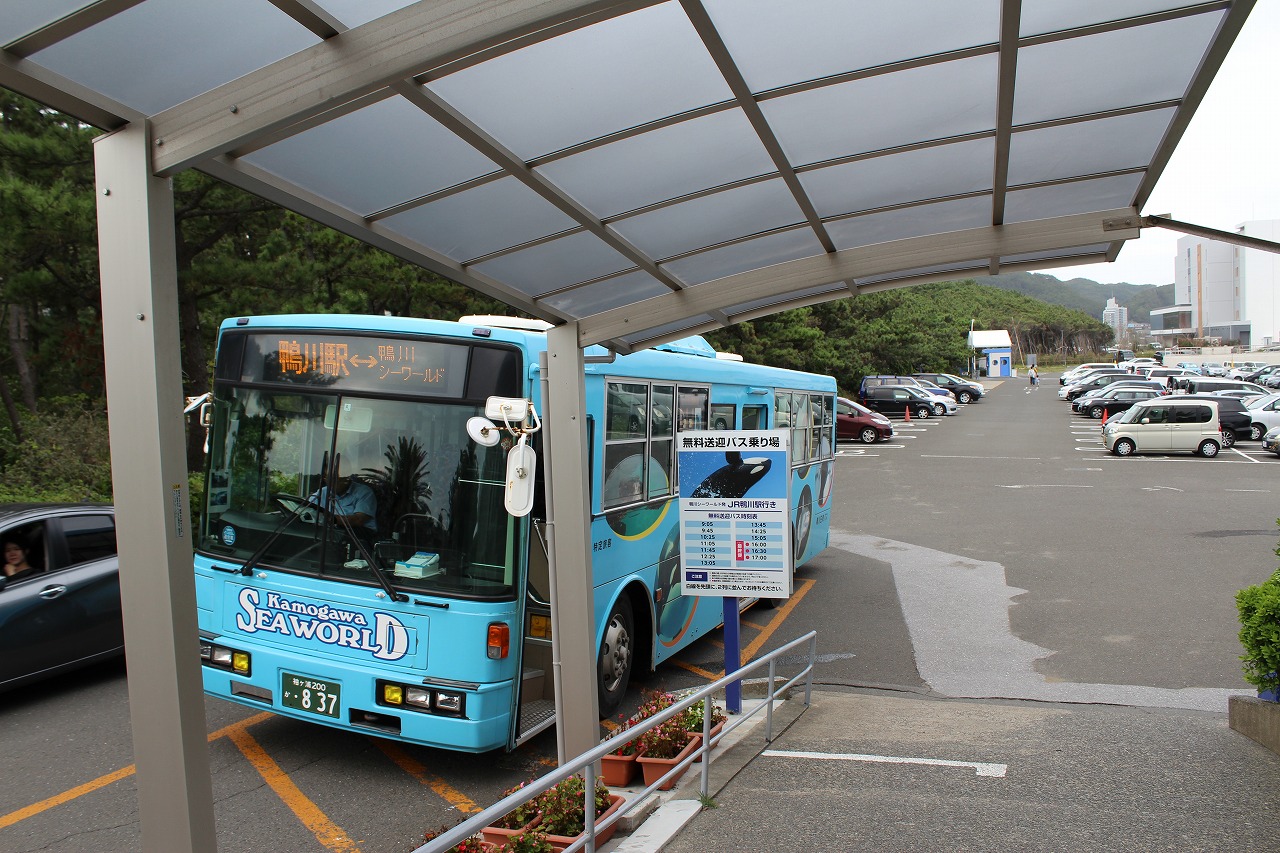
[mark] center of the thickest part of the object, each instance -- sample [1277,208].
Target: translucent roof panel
[622,73]
[777,44]
[766,251]
[404,154]
[663,164]
[20,17]
[573,157]
[611,293]
[933,270]
[1069,199]
[555,264]
[927,173]
[1049,16]
[916,105]
[488,218]
[712,219]
[163,52]
[1088,147]
[1110,70]
[913,221]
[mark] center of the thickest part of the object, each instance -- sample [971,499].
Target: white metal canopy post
[569,513]
[149,476]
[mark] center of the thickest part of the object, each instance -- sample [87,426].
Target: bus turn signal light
[499,645]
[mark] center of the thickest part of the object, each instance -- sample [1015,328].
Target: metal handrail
[586,762]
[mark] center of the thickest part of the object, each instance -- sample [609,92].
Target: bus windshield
[411,493]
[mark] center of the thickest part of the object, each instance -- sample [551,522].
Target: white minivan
[1165,425]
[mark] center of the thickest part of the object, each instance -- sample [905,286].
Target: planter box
[1257,719]
[560,842]
[617,771]
[655,768]
[715,731]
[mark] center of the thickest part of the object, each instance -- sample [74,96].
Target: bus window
[782,410]
[722,416]
[755,417]
[823,418]
[626,411]
[801,426]
[693,407]
[662,447]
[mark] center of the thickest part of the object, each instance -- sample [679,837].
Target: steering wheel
[307,510]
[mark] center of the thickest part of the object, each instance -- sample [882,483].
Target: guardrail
[585,763]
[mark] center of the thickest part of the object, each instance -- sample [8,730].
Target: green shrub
[1259,608]
[64,455]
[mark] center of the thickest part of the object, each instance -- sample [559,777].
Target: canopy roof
[654,169]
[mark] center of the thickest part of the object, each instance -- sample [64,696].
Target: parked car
[1264,414]
[857,422]
[1232,416]
[934,388]
[1165,425]
[62,610]
[1190,366]
[897,399]
[1263,373]
[1068,375]
[1241,369]
[1114,400]
[875,379]
[1213,368]
[1203,385]
[1092,381]
[1271,440]
[965,390]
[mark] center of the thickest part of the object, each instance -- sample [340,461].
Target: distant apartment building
[1117,317]
[1223,291]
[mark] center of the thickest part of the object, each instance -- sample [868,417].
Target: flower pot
[715,730]
[655,768]
[499,835]
[560,842]
[617,771]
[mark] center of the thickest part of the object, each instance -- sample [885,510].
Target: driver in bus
[352,501]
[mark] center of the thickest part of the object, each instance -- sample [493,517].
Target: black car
[1232,414]
[964,390]
[59,590]
[1099,380]
[1114,400]
[896,399]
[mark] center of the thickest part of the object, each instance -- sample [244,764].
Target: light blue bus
[408,603]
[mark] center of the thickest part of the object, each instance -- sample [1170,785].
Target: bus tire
[617,655]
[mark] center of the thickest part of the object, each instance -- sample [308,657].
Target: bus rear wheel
[617,654]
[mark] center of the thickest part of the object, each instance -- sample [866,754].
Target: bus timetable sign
[734,513]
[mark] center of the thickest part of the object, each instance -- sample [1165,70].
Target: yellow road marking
[776,622]
[326,831]
[414,768]
[102,781]
[696,670]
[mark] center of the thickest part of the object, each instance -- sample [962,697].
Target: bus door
[536,693]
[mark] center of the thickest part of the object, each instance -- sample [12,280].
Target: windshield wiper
[249,564]
[369,560]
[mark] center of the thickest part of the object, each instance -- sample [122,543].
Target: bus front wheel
[617,652]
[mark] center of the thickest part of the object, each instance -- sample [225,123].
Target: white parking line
[981,768]
[1046,486]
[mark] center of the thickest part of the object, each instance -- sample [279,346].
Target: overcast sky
[1226,169]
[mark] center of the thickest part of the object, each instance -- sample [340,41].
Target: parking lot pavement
[870,771]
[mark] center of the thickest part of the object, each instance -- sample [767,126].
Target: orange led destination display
[357,363]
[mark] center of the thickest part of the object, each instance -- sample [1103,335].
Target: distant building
[1224,291]
[1117,317]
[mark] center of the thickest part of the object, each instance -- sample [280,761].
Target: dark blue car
[59,590]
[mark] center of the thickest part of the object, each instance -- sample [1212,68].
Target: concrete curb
[669,811]
[1256,719]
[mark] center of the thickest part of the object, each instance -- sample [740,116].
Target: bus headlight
[415,697]
[241,663]
[448,703]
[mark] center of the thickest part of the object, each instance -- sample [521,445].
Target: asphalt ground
[1039,650]
[998,559]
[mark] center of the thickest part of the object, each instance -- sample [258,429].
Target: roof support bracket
[1163,221]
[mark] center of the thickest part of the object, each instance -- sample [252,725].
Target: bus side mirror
[521,465]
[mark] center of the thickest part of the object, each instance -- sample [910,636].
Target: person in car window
[15,557]
[351,500]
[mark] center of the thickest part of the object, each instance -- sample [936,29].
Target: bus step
[536,715]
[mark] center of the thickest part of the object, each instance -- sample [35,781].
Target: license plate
[313,695]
